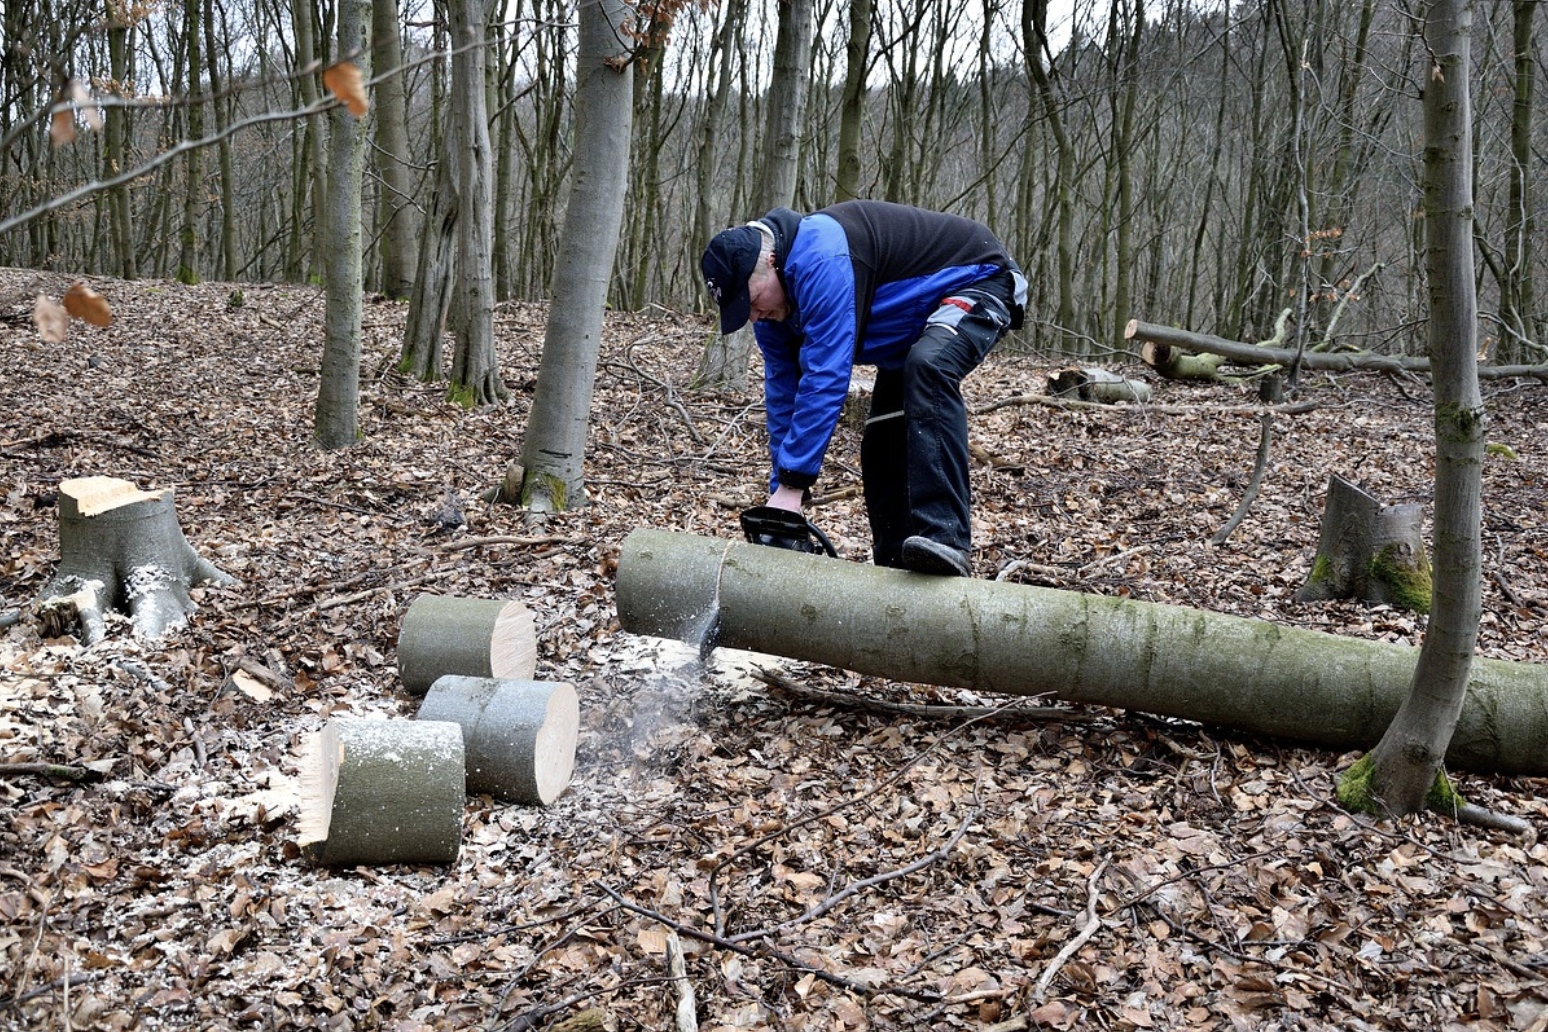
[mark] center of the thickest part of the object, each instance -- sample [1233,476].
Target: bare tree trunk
[193,196]
[116,150]
[1402,769]
[399,218]
[422,354]
[552,466]
[1517,296]
[475,378]
[338,389]
[857,62]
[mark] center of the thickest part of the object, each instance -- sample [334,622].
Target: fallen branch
[1292,409]
[687,1012]
[1255,355]
[848,984]
[925,711]
[1265,440]
[63,771]
[1093,922]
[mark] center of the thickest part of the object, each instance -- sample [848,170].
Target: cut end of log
[93,495]
[320,764]
[513,643]
[554,751]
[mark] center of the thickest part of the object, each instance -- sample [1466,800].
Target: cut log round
[473,637]
[383,792]
[519,735]
[122,548]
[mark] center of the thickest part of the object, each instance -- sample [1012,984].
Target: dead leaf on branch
[345,82]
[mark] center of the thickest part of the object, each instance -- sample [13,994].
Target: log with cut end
[383,792]
[519,735]
[1100,386]
[473,637]
[121,548]
[1019,639]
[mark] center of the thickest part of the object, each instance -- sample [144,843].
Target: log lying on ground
[1340,361]
[473,637]
[1098,385]
[122,549]
[1232,672]
[518,736]
[1369,551]
[383,792]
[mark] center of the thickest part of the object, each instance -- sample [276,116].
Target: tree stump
[469,636]
[519,736]
[1369,551]
[1097,385]
[121,549]
[383,792]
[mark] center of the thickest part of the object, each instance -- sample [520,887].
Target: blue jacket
[862,277]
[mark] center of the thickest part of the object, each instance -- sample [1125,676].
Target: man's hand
[788,498]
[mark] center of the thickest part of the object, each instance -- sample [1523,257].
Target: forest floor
[866,868]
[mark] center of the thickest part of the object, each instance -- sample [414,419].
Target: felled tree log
[382,792]
[1176,364]
[1019,639]
[1097,385]
[1255,355]
[121,549]
[473,637]
[518,736]
[1369,551]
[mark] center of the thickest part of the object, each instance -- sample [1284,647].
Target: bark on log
[518,736]
[1369,551]
[383,792]
[1245,674]
[1255,355]
[1097,385]
[122,549]
[1176,364]
[473,637]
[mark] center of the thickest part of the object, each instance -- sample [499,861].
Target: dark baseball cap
[728,263]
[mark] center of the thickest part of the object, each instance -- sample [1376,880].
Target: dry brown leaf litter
[855,869]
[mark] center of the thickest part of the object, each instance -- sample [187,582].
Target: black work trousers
[914,454]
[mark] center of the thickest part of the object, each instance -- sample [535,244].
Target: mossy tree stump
[120,549]
[1369,551]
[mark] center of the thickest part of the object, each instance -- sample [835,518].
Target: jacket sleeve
[807,384]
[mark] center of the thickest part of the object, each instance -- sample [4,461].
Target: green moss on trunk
[1407,583]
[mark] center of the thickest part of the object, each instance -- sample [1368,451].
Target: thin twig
[1092,923]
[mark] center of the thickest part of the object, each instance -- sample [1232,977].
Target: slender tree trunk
[118,130]
[219,105]
[785,113]
[304,16]
[553,475]
[1126,87]
[399,219]
[857,63]
[1517,293]
[338,390]
[1034,15]
[1404,764]
[475,378]
[188,235]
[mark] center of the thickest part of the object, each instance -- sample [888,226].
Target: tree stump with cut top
[121,549]
[1369,551]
